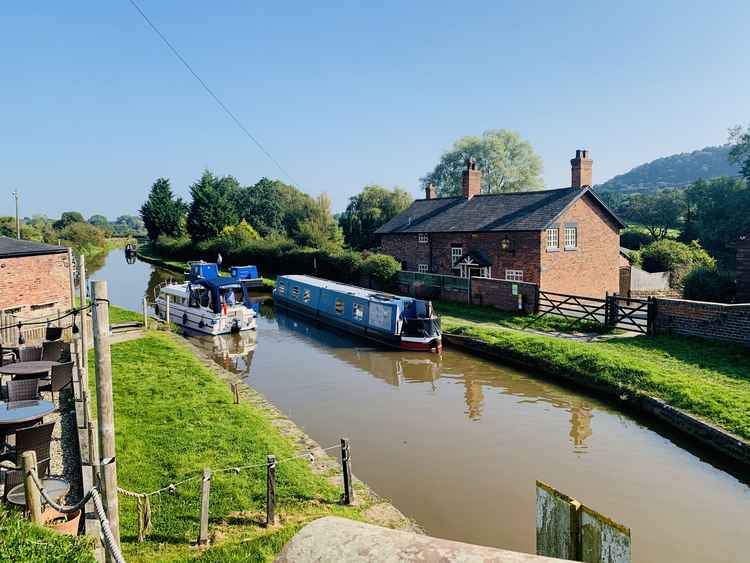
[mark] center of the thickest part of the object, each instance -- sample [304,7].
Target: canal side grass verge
[173,418]
[708,380]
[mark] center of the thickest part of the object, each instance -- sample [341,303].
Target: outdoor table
[28,368]
[19,412]
[55,488]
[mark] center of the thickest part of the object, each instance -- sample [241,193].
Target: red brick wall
[35,280]
[594,267]
[743,271]
[499,294]
[406,248]
[717,321]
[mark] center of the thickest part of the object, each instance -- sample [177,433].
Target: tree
[320,229]
[508,164]
[83,236]
[212,208]
[658,212]
[99,221]
[370,209]
[260,206]
[162,213]
[68,218]
[740,153]
[719,212]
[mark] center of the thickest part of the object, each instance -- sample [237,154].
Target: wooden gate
[633,315]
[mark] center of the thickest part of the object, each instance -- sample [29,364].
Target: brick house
[566,240]
[34,278]
[743,269]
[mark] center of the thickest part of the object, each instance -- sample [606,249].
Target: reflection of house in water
[233,352]
[396,368]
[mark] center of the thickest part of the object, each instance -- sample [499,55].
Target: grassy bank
[120,315]
[709,380]
[20,540]
[455,313]
[173,418]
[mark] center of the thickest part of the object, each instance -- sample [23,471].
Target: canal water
[457,443]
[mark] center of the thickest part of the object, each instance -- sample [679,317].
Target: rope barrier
[74,311]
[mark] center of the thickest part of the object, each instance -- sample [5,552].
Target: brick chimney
[580,169]
[430,192]
[472,179]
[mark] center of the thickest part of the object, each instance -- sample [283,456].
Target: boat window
[281,288]
[358,311]
[339,307]
[295,292]
[306,296]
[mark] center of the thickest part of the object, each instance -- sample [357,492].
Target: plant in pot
[60,522]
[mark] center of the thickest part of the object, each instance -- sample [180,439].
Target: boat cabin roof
[353,290]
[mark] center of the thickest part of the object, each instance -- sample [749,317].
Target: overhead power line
[216,98]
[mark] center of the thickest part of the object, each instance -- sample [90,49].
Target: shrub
[675,257]
[83,236]
[709,284]
[381,266]
[635,239]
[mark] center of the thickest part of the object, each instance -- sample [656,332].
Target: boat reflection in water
[399,368]
[233,352]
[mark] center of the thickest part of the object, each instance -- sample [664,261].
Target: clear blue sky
[94,107]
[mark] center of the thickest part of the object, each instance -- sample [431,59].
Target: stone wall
[716,321]
[35,286]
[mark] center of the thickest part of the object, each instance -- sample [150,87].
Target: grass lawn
[454,314]
[120,315]
[22,541]
[173,418]
[710,380]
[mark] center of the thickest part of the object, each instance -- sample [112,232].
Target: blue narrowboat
[402,322]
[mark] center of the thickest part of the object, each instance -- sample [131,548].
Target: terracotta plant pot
[61,523]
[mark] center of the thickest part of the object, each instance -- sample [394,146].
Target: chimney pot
[430,191]
[472,179]
[581,169]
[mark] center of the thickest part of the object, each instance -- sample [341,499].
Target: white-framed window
[456,253]
[571,236]
[514,275]
[358,311]
[306,296]
[339,307]
[423,238]
[422,268]
[485,272]
[553,238]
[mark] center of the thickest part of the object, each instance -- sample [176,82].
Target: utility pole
[18,219]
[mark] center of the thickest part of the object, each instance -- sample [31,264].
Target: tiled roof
[516,211]
[10,248]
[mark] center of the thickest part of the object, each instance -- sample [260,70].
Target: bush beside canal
[173,418]
[709,380]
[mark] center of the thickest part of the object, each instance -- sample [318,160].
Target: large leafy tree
[260,206]
[213,206]
[508,164]
[68,218]
[373,207]
[658,212]
[719,212]
[162,213]
[320,229]
[740,153]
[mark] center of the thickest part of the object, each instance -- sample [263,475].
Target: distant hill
[673,171]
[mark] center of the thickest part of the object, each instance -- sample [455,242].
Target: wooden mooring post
[236,393]
[270,491]
[346,466]
[33,498]
[205,492]
[105,406]
[145,313]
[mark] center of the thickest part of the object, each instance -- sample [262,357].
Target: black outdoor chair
[38,439]
[23,390]
[52,351]
[7,356]
[30,354]
[62,377]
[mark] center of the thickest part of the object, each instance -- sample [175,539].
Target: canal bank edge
[704,433]
[381,512]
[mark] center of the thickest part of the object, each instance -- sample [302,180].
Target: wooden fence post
[105,405]
[346,464]
[236,393]
[93,450]
[205,491]
[145,313]
[33,498]
[270,491]
[83,298]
